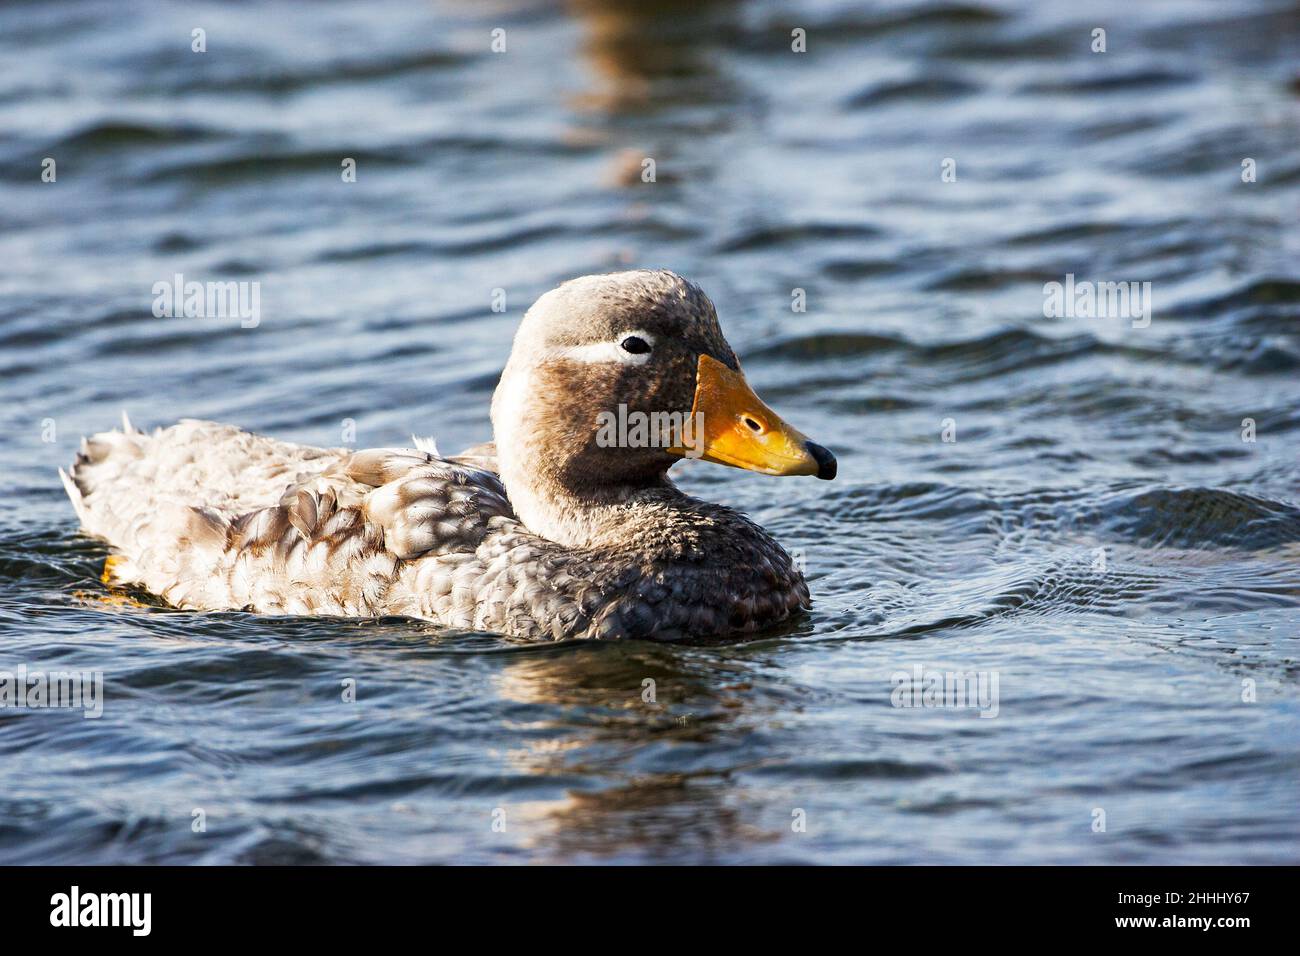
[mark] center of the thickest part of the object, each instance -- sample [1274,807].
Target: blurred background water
[1121,689]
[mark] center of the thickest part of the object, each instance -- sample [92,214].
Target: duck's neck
[587,516]
[561,486]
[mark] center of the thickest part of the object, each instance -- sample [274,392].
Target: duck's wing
[423,504]
[212,517]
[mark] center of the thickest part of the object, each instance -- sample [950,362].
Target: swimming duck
[566,526]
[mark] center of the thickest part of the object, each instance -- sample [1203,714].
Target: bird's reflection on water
[621,711]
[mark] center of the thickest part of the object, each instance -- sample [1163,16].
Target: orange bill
[730,425]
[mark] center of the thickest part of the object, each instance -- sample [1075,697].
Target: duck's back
[211,517]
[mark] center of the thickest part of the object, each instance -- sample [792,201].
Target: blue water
[1099,537]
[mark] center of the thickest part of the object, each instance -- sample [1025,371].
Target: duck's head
[614,378]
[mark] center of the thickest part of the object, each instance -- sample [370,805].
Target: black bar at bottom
[332,905]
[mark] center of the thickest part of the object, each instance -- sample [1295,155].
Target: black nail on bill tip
[826,466]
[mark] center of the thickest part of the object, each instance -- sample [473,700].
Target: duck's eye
[635,345]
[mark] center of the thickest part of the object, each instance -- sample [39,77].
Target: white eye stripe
[607,351]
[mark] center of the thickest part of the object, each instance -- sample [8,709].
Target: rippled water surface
[1099,537]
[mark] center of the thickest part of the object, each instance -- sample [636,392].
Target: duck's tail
[102,462]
